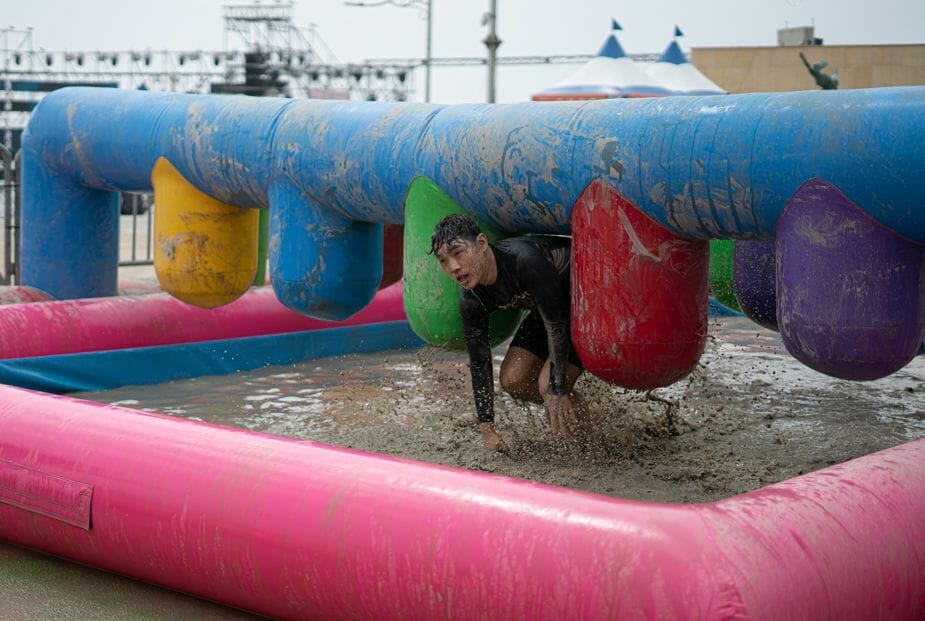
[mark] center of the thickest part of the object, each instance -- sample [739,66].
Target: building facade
[763,69]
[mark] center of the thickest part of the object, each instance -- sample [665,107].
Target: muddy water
[748,416]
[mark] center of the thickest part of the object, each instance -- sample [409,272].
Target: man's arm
[557,332]
[553,302]
[475,329]
[558,399]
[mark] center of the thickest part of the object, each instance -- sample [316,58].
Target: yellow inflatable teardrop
[205,251]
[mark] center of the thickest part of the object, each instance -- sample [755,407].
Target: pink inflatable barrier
[139,287]
[72,326]
[18,295]
[298,530]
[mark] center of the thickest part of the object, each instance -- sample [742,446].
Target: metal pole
[426,5]
[492,42]
[429,55]
[6,165]
[14,276]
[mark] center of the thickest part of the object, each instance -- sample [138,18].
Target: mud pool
[748,416]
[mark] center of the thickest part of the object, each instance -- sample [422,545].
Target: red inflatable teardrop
[393,239]
[639,293]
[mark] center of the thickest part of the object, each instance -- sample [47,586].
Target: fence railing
[136,231]
[136,234]
[9,171]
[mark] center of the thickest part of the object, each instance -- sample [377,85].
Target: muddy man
[529,273]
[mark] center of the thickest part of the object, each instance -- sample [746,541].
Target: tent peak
[673,54]
[612,48]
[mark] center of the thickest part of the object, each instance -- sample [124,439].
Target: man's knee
[513,383]
[519,385]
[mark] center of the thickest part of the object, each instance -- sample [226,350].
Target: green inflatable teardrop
[431,297]
[721,272]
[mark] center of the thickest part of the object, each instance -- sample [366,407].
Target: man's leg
[520,372]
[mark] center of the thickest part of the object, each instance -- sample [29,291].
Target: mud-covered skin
[533,274]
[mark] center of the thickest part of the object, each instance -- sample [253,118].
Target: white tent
[610,74]
[677,73]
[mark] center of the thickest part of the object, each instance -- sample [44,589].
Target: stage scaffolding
[263,53]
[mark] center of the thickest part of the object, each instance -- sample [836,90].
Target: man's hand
[561,415]
[491,439]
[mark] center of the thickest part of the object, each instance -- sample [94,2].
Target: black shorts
[531,335]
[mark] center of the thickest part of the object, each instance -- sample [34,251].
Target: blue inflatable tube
[705,167]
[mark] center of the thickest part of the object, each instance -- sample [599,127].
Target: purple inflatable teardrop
[850,294]
[753,276]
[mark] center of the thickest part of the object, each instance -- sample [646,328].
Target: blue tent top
[612,48]
[609,74]
[673,54]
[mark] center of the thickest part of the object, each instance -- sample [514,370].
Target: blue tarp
[102,370]
[718,309]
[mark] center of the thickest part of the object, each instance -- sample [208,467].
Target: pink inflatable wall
[299,530]
[93,324]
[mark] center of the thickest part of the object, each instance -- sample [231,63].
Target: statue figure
[826,82]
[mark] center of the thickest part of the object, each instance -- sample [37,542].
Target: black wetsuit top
[533,273]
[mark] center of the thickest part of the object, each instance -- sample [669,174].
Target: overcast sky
[526,28]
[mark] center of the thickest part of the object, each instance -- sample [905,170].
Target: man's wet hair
[452,227]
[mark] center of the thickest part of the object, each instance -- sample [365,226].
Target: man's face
[462,260]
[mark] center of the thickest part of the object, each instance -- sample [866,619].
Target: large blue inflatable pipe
[705,167]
